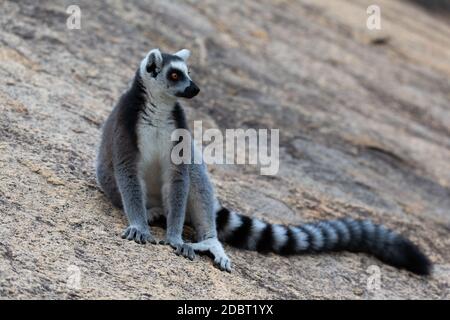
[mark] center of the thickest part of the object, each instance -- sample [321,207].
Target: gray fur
[134,168]
[135,171]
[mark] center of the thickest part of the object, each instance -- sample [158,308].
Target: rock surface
[364,119]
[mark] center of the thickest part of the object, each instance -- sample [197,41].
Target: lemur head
[166,75]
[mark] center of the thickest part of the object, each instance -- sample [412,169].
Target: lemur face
[166,75]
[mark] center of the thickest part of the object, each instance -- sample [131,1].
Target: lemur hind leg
[202,207]
[154,207]
[174,196]
[107,183]
[202,204]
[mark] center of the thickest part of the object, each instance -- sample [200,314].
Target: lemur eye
[174,76]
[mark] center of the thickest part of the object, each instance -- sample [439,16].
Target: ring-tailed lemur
[135,170]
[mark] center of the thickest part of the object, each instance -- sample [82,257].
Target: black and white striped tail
[326,235]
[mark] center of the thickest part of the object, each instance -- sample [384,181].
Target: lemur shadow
[161,222]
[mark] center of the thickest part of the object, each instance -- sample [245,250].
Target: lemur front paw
[174,243]
[186,251]
[138,234]
[181,248]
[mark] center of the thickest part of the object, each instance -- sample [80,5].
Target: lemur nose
[192,90]
[195,89]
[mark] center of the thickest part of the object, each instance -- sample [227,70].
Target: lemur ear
[183,54]
[154,62]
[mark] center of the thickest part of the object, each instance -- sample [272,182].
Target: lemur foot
[138,234]
[214,246]
[174,243]
[180,247]
[223,263]
[186,251]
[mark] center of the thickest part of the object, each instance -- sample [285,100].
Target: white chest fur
[154,140]
[154,131]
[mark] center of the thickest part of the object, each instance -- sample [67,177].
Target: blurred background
[364,119]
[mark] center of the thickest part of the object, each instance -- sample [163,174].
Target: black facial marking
[151,68]
[179,73]
[191,91]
